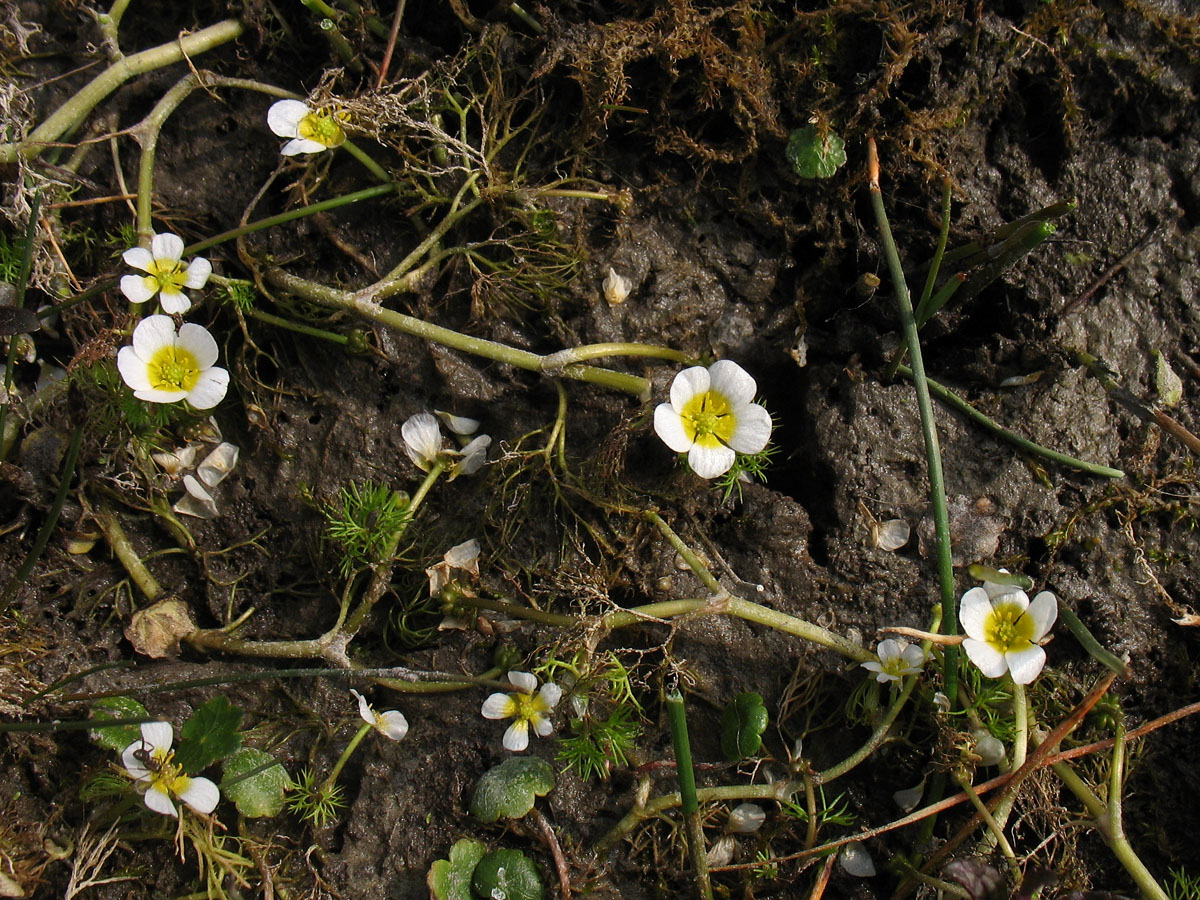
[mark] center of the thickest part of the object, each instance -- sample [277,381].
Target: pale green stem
[1118,842]
[1020,752]
[562,358]
[995,828]
[933,453]
[149,131]
[75,110]
[677,716]
[328,783]
[689,556]
[119,543]
[875,741]
[521,359]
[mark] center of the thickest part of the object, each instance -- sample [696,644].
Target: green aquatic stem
[331,779]
[118,542]
[1089,643]
[875,741]
[952,400]
[563,358]
[933,453]
[68,116]
[1020,753]
[298,327]
[995,829]
[689,556]
[677,717]
[1117,841]
[336,298]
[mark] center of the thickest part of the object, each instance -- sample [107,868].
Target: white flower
[390,723]
[526,707]
[423,443]
[163,366]
[1004,630]
[165,273]
[711,417]
[150,760]
[896,659]
[310,130]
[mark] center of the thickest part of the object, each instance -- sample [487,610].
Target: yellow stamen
[322,128]
[1008,628]
[173,368]
[708,420]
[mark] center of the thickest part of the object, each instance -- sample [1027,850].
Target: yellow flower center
[528,706]
[708,420]
[167,275]
[1008,628]
[323,128]
[166,774]
[172,368]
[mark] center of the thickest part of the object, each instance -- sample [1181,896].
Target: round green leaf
[813,155]
[511,788]
[256,795]
[742,724]
[507,875]
[450,879]
[117,737]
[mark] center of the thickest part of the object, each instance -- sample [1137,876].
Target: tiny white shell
[856,860]
[616,287]
[217,465]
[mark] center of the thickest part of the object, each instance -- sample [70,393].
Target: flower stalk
[677,717]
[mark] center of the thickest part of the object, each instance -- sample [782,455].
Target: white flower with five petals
[310,130]
[423,443]
[163,366]
[525,707]
[166,275]
[896,659]
[1004,630]
[150,761]
[712,417]
[390,723]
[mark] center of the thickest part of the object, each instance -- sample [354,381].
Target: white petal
[197,341]
[523,681]
[516,738]
[973,612]
[152,334]
[1043,610]
[709,462]
[201,795]
[196,489]
[732,382]
[422,439]
[154,395]
[158,735]
[914,656]
[392,724]
[198,272]
[138,257]
[873,665]
[133,370]
[284,117]
[209,389]
[688,384]
[753,429]
[217,466]
[134,766]
[174,303]
[550,694]
[668,425]
[135,289]
[1025,665]
[296,146]
[457,424]
[473,456]
[364,708]
[157,801]
[498,706]
[462,555]
[542,726]
[888,650]
[167,246]
[987,658]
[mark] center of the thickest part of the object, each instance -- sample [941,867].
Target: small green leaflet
[209,734]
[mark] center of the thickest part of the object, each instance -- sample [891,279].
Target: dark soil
[686,107]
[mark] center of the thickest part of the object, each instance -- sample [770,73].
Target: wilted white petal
[721,852]
[174,461]
[197,502]
[457,424]
[892,534]
[746,818]
[218,464]
[988,747]
[464,556]
[909,798]
[856,860]
[616,287]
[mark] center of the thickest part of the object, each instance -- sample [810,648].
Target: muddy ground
[682,112]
